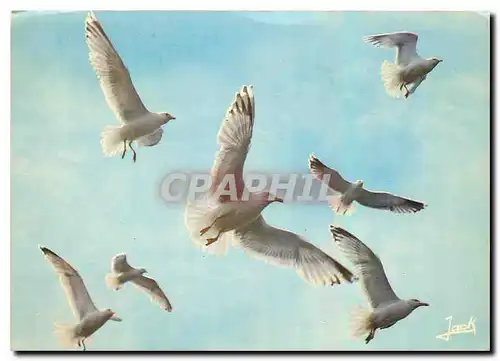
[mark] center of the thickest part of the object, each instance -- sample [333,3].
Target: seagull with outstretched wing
[122,273]
[351,192]
[137,123]
[386,307]
[90,319]
[232,213]
[409,69]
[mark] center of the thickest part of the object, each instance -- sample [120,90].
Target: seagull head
[143,270]
[435,61]
[414,303]
[269,198]
[168,116]
[111,315]
[360,183]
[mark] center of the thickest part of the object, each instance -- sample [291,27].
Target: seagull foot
[211,240]
[204,230]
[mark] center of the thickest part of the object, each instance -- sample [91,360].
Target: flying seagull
[90,319]
[386,307]
[235,216]
[409,70]
[351,192]
[122,273]
[137,123]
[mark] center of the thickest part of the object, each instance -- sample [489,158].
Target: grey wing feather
[72,283]
[388,201]
[368,267]
[113,76]
[119,263]
[327,175]
[150,139]
[405,43]
[286,249]
[154,291]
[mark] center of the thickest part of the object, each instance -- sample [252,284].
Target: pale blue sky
[317,89]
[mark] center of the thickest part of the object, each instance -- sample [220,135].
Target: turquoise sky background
[317,89]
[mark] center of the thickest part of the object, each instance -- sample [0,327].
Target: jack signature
[456,329]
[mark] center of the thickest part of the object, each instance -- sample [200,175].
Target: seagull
[351,192]
[122,273]
[137,123]
[409,68]
[217,214]
[386,307]
[236,217]
[90,319]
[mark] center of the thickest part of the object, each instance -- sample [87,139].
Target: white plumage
[238,219]
[351,192]
[137,123]
[386,307]
[282,248]
[122,273]
[89,317]
[409,69]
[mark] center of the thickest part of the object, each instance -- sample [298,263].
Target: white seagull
[351,192]
[409,68]
[236,215]
[137,123]
[90,319]
[122,273]
[386,307]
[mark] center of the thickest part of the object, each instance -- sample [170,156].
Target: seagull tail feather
[111,140]
[66,335]
[391,77]
[199,215]
[339,207]
[112,281]
[361,321]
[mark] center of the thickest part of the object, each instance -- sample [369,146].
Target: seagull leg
[370,336]
[124,148]
[83,344]
[205,230]
[212,240]
[407,91]
[135,154]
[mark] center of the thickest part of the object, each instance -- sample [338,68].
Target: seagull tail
[361,321]
[197,216]
[391,77]
[111,140]
[66,335]
[339,207]
[112,281]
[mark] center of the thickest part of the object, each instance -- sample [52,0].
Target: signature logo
[456,329]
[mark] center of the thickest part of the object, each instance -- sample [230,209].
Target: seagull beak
[423,304]
[114,317]
[277,199]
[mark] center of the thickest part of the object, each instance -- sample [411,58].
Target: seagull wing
[76,292]
[368,267]
[150,286]
[327,175]
[235,135]
[150,139]
[119,263]
[405,43]
[388,201]
[286,249]
[113,76]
